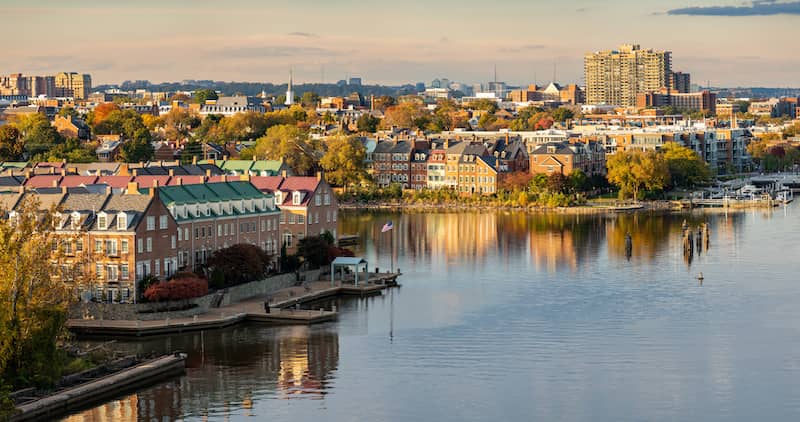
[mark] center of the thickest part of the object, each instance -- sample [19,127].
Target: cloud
[756,8]
[303,34]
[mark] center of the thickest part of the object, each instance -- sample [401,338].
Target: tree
[309,99]
[383,102]
[562,114]
[686,168]
[101,112]
[137,149]
[315,250]
[68,112]
[240,263]
[634,171]
[33,299]
[291,144]
[201,95]
[38,135]
[11,145]
[368,123]
[344,161]
[405,115]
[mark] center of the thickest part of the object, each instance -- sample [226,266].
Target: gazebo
[348,262]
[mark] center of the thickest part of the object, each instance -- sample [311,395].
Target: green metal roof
[236,165]
[210,193]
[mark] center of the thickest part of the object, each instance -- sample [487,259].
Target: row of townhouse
[118,238]
[465,166]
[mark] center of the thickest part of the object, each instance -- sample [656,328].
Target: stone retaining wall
[150,311]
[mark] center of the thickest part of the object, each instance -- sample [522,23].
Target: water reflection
[228,372]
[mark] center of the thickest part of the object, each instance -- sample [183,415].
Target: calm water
[507,316]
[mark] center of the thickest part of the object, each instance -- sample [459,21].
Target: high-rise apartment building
[680,82]
[72,84]
[615,77]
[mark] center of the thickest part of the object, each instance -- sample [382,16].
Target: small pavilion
[357,263]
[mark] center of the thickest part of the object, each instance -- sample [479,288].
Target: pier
[283,310]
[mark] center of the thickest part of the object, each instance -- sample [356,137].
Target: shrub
[238,264]
[178,289]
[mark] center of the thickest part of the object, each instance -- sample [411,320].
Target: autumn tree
[38,135]
[309,99]
[686,168]
[344,161]
[367,123]
[405,115]
[562,114]
[33,299]
[11,145]
[383,102]
[101,112]
[634,171]
[239,263]
[290,144]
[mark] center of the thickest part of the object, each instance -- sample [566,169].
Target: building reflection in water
[228,371]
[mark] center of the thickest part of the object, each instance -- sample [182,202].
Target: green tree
[11,145]
[686,168]
[634,171]
[562,114]
[201,95]
[344,161]
[368,123]
[38,135]
[137,149]
[68,112]
[291,144]
[309,99]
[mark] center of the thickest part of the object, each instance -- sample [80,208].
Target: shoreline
[660,206]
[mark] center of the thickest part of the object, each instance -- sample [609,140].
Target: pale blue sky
[730,43]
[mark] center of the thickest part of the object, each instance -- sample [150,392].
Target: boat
[784,196]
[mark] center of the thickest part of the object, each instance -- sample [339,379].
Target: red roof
[147,181]
[75,181]
[266,183]
[43,181]
[223,178]
[45,164]
[307,185]
[187,180]
[116,182]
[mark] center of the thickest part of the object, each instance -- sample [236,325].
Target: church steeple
[289,93]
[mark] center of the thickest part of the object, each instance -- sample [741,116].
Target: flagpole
[391,240]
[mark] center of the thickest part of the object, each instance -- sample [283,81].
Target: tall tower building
[289,93]
[615,77]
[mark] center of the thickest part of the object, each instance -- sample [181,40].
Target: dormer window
[58,220]
[296,198]
[122,221]
[75,220]
[279,197]
[102,221]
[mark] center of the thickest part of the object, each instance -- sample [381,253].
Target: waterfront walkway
[284,310]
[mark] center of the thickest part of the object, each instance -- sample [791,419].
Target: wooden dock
[284,310]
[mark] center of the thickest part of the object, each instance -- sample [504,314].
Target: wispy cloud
[303,34]
[522,48]
[756,8]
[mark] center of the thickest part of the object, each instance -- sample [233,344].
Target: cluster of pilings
[692,243]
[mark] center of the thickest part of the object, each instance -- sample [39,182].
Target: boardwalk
[282,311]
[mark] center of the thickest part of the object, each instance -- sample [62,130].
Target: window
[283,218]
[263,225]
[158,268]
[151,222]
[225,227]
[316,217]
[139,245]
[174,241]
[334,215]
[98,246]
[328,216]
[111,272]
[301,219]
[102,221]
[186,234]
[162,222]
[111,247]
[79,245]
[122,221]
[124,246]
[123,270]
[291,218]
[287,239]
[219,230]
[296,198]
[202,232]
[196,233]
[149,244]
[179,235]
[98,271]
[317,200]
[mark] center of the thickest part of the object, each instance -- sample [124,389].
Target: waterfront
[515,316]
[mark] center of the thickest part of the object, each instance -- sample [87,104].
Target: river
[510,316]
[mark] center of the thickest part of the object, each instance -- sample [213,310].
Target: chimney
[254,158]
[155,183]
[180,181]
[135,172]
[52,170]
[123,169]
[154,191]
[109,190]
[194,160]
[208,173]
[21,189]
[319,175]
[283,173]
[133,188]
[245,177]
[55,183]
[63,189]
[171,172]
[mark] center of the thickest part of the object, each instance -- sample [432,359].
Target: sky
[725,42]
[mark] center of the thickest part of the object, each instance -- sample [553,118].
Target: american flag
[386,227]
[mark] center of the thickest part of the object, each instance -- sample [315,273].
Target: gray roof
[84,202]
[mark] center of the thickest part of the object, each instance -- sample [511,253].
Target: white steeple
[289,93]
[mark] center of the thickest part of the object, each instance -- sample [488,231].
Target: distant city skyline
[726,42]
